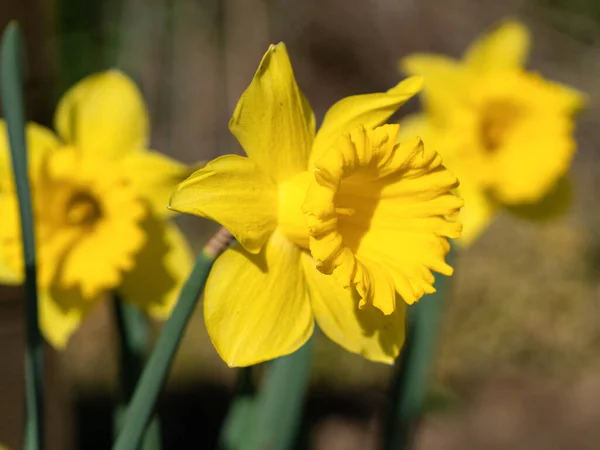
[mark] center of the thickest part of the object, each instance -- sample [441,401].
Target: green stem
[280,401]
[413,368]
[238,422]
[133,339]
[12,102]
[144,398]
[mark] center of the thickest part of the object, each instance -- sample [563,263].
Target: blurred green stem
[280,402]
[13,61]
[413,368]
[133,332]
[238,422]
[146,393]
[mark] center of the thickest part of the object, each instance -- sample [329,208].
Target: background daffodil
[99,199]
[343,226]
[507,133]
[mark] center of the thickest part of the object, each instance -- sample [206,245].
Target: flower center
[497,119]
[82,209]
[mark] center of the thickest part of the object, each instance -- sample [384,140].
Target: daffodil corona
[505,132]
[343,226]
[100,206]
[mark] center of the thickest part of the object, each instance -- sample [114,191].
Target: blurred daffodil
[343,225]
[100,205]
[507,133]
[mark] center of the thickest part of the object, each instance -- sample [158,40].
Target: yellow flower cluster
[340,226]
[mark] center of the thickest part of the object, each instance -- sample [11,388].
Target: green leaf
[11,87]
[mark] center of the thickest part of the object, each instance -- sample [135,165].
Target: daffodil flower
[343,226]
[100,206]
[507,133]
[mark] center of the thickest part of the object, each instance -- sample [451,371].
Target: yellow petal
[506,47]
[233,191]
[445,82]
[272,120]
[478,212]
[154,177]
[416,125]
[369,110]
[367,332]
[529,166]
[160,269]
[256,307]
[568,99]
[61,313]
[40,141]
[7,275]
[104,115]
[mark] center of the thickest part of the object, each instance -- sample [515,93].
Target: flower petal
[154,177]
[367,332]
[478,212]
[506,47]
[416,125]
[445,81]
[529,166]
[369,110]
[272,120]
[233,191]
[104,115]
[40,141]
[377,215]
[7,275]
[160,269]
[256,307]
[61,313]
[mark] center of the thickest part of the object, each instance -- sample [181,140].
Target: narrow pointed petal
[504,48]
[445,82]
[40,141]
[61,314]
[369,110]
[104,115]
[233,191]
[154,176]
[160,269]
[367,332]
[272,120]
[256,307]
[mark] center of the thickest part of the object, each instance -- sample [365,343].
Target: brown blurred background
[518,365]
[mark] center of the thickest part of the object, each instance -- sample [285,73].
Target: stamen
[348,212]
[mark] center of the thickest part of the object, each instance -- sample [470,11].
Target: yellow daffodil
[504,131]
[343,225]
[100,205]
